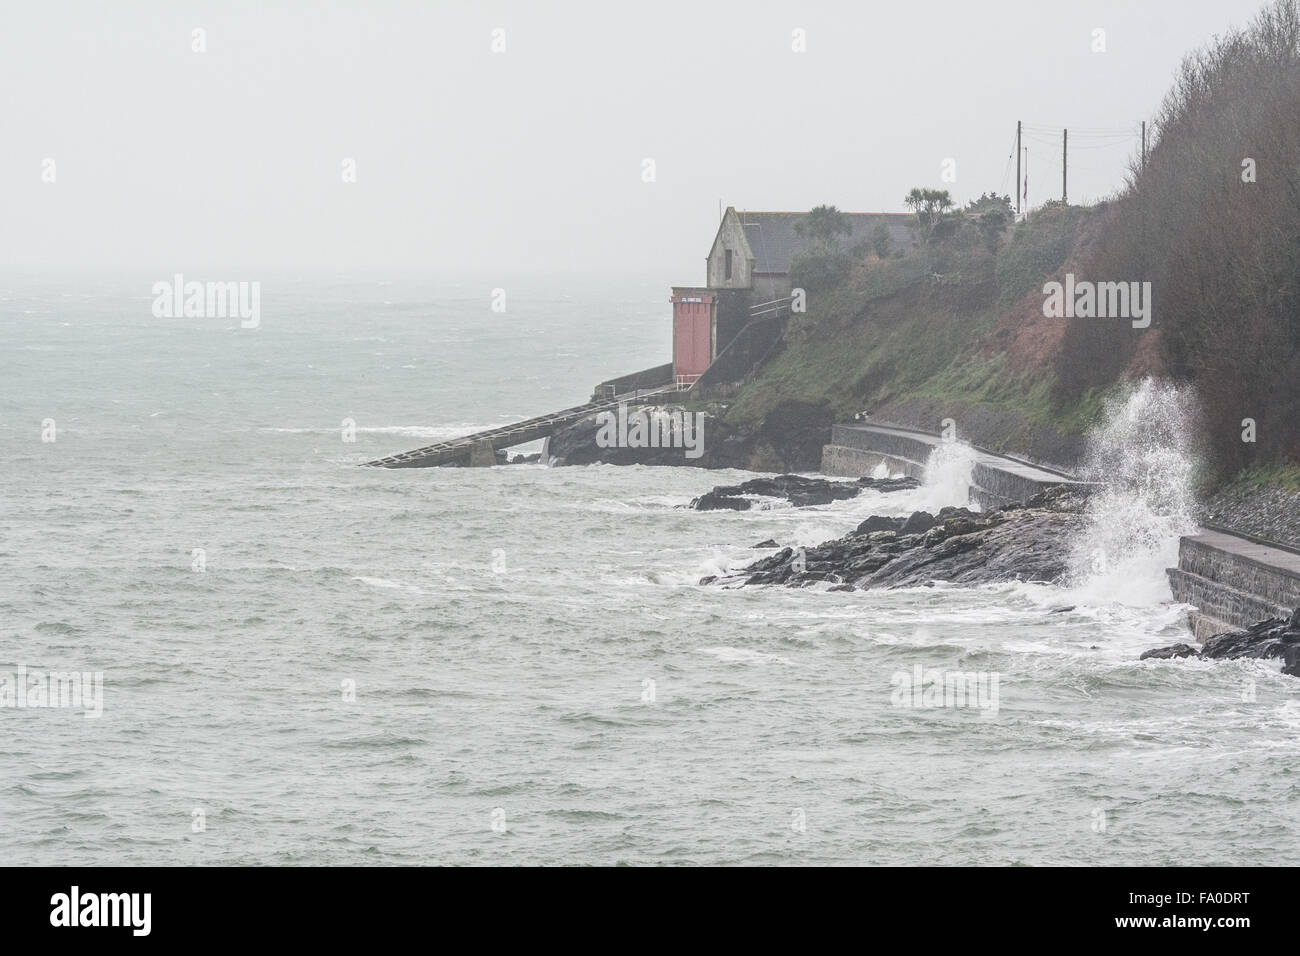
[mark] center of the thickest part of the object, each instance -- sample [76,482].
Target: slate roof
[774,241]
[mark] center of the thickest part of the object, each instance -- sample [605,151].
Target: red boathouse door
[692,335]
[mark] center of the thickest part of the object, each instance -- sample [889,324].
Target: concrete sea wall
[857,450]
[1233,582]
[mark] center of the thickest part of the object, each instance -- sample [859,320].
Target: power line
[1006,170]
[1098,130]
[1085,137]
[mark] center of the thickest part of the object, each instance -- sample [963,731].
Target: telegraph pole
[1144,144]
[1065,147]
[1018,185]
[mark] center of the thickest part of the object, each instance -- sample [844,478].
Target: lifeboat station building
[747,278]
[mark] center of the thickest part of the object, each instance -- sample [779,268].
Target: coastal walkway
[480,447]
[1231,580]
[995,479]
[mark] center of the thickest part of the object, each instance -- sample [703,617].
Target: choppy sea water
[538,677]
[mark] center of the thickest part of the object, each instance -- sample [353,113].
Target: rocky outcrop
[798,490]
[958,546]
[1276,637]
[579,443]
[789,438]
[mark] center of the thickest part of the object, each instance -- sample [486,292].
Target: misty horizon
[530,160]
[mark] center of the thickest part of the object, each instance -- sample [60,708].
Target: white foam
[947,478]
[740,655]
[1143,459]
[385,583]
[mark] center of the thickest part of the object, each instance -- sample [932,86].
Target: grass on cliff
[1286,477]
[917,327]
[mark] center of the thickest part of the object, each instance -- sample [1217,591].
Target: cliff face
[952,330]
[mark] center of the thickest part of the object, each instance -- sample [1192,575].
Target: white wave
[1144,459]
[717,563]
[643,503]
[947,482]
[740,655]
[947,478]
[386,583]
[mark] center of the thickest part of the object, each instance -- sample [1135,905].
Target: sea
[300,661]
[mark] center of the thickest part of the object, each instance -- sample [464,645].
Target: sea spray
[947,477]
[1143,457]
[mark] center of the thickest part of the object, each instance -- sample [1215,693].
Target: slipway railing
[773,307]
[507,436]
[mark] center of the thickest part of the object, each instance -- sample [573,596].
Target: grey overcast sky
[531,160]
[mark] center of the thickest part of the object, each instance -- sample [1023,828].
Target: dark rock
[810,577]
[842,587]
[960,524]
[769,543]
[798,490]
[1266,640]
[880,523]
[1061,610]
[967,548]
[1056,498]
[817,496]
[713,501]
[790,437]
[1168,653]
[889,484]
[577,444]
[918,523]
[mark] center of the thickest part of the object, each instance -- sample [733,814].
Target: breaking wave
[948,474]
[1144,456]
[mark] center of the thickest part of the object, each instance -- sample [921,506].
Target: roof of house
[775,241]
